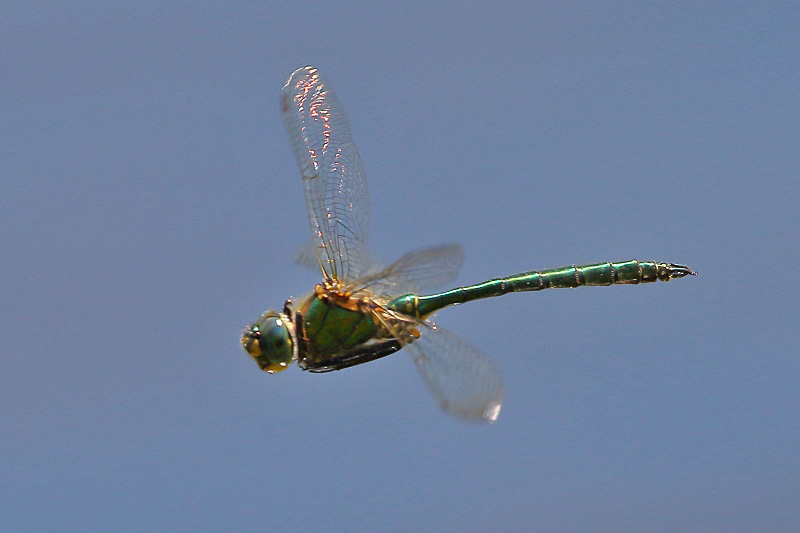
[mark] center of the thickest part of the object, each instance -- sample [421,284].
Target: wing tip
[306,71]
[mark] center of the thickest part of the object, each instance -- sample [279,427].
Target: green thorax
[334,323]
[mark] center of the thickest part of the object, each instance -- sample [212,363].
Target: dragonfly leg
[357,356]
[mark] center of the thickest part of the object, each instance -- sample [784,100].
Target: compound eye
[269,342]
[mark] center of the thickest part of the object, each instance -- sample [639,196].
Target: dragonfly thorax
[270,341]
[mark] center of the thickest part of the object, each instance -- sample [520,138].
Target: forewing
[463,380]
[332,172]
[417,271]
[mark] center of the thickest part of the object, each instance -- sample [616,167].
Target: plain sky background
[151,208]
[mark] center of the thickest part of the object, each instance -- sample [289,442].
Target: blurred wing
[417,271]
[463,380]
[333,176]
[306,257]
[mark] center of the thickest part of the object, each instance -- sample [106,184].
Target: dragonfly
[361,312]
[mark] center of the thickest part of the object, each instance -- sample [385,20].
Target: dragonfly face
[270,341]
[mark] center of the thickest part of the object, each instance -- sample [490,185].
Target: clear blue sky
[151,208]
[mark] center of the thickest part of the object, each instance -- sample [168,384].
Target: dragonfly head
[270,341]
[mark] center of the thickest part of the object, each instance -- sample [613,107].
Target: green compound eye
[269,342]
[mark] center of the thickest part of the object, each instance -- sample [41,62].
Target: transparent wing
[306,257]
[463,380]
[333,176]
[417,271]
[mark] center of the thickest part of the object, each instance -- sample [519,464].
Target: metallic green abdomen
[330,329]
[620,273]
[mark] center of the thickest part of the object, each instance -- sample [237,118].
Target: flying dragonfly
[360,313]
